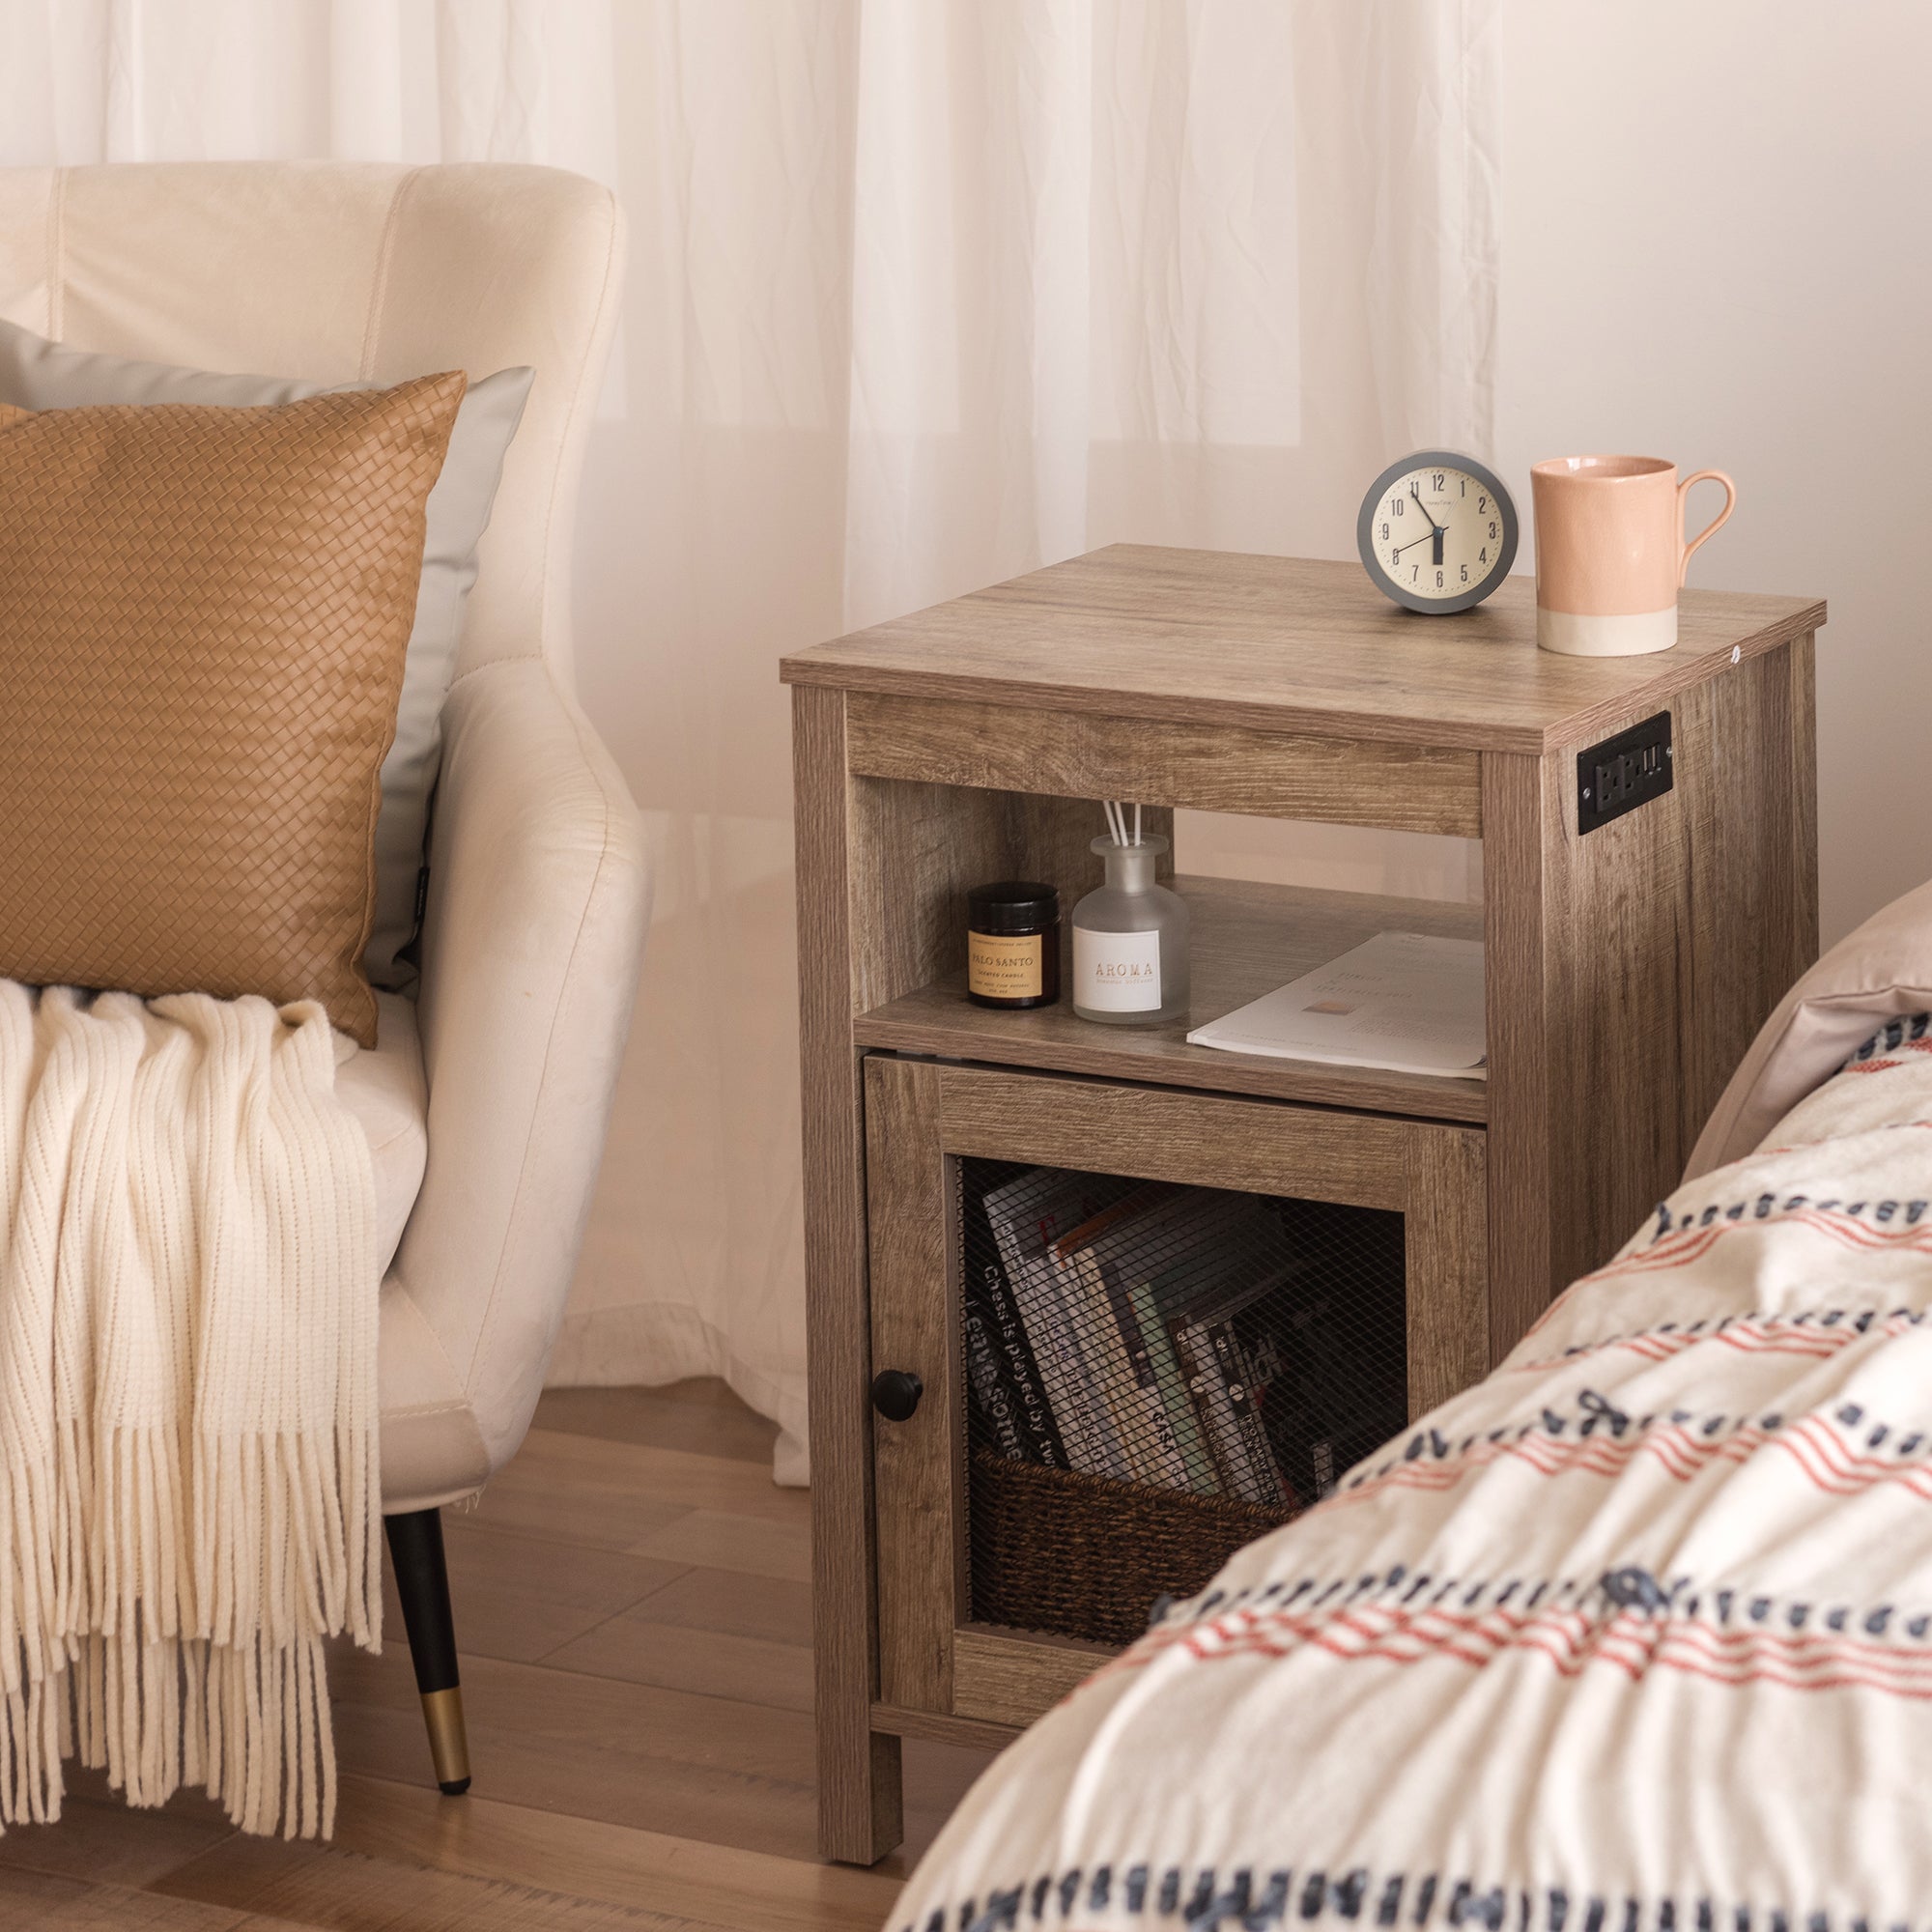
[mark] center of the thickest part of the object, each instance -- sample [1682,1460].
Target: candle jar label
[1001,966]
[1117,972]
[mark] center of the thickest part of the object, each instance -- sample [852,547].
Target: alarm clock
[1437,531]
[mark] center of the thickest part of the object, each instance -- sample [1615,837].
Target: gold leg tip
[448,1742]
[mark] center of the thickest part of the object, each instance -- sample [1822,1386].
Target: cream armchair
[486,1097]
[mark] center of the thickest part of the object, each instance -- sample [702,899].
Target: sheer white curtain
[923,294]
[427,80]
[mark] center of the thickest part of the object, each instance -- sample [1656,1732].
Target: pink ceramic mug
[1610,551]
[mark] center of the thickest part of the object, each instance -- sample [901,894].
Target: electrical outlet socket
[1624,772]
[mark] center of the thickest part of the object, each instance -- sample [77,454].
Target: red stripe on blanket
[1685,1245]
[1827,1461]
[1880,1066]
[1751,1335]
[1690,1244]
[1682,1454]
[1570,1641]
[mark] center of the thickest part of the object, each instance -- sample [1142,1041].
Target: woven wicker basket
[1078,1555]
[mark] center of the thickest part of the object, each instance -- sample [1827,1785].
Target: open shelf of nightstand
[1247,940]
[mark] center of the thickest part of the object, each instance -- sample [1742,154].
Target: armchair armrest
[538,898]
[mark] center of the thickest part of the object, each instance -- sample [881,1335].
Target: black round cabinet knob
[896,1393]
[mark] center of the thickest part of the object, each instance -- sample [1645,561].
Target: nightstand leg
[858,1802]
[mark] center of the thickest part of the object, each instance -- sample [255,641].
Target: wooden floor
[635,1626]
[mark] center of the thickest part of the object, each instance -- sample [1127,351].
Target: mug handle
[1686,551]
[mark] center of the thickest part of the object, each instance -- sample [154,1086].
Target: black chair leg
[422,1582]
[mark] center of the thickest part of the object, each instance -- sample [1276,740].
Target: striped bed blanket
[1633,1636]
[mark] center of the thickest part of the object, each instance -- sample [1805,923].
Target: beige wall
[1718,248]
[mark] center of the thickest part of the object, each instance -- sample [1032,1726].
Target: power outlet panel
[1623,773]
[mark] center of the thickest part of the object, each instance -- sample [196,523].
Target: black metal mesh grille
[1156,1375]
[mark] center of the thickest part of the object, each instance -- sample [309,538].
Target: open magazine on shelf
[1406,1002]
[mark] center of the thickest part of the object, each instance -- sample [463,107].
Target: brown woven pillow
[203,619]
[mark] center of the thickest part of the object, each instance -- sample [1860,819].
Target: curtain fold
[923,294]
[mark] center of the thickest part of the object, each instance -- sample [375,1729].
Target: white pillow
[1881,972]
[36,374]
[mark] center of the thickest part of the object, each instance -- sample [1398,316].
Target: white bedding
[1633,1636]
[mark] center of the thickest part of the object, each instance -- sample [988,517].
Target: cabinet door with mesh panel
[1147,1327]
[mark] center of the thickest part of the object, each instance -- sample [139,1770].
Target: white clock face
[1437,533]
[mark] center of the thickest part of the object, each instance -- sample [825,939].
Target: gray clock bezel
[1463,600]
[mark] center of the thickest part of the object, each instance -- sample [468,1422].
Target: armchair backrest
[343,271]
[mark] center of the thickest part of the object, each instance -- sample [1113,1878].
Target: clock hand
[1425,537]
[1424,508]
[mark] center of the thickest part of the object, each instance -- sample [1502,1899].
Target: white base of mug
[1630,637]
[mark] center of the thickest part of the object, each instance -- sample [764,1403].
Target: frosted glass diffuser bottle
[1130,941]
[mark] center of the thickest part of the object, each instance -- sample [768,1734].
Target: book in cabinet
[1627,968]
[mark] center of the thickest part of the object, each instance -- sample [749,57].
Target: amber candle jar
[1013,944]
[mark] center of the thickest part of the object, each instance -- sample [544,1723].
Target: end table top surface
[1285,644]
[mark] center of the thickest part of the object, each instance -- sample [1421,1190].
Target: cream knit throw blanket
[188,1400]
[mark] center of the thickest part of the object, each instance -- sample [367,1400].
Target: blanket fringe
[250,1725]
[188,1407]
[208,1673]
